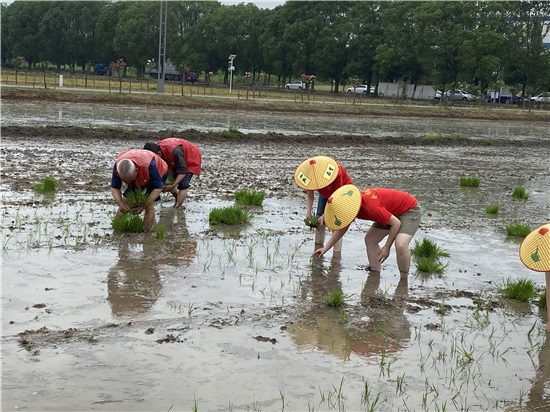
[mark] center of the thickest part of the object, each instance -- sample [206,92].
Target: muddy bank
[108,134]
[378,107]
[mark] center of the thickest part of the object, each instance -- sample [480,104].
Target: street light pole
[232,69]
[162,47]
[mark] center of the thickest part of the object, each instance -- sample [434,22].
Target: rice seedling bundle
[469,181]
[49,184]
[520,193]
[231,215]
[517,229]
[520,289]
[128,223]
[250,197]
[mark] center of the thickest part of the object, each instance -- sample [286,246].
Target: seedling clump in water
[520,289]
[426,256]
[160,231]
[231,215]
[336,299]
[128,223]
[48,185]
[518,229]
[520,193]
[469,181]
[493,209]
[250,197]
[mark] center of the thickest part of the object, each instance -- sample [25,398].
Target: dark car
[513,99]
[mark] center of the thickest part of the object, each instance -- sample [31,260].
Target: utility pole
[162,46]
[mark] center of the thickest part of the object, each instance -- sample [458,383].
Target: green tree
[106,31]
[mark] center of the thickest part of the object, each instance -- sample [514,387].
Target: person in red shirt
[395,214]
[139,168]
[183,159]
[324,175]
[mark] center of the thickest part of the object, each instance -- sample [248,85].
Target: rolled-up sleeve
[116,182]
[156,178]
[179,160]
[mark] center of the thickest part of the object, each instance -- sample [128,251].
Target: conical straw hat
[534,251]
[342,207]
[316,172]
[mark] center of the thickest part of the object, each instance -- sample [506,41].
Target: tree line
[474,45]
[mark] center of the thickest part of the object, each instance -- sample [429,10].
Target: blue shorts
[184,184]
[321,205]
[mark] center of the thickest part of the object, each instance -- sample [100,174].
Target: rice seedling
[250,197]
[517,229]
[137,198]
[159,230]
[520,193]
[521,289]
[312,220]
[231,215]
[492,209]
[542,300]
[231,133]
[49,184]
[128,223]
[430,266]
[428,249]
[336,299]
[170,179]
[469,181]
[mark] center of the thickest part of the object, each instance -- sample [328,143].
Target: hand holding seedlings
[145,173]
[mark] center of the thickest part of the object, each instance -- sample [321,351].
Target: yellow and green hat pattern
[534,251]
[342,207]
[316,172]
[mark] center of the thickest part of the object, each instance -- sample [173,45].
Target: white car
[362,88]
[461,95]
[543,97]
[297,85]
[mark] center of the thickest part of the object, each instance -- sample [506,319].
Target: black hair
[152,147]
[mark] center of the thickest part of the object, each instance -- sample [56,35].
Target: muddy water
[151,118]
[234,318]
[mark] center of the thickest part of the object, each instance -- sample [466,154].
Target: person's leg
[402,242]
[372,239]
[547,275]
[320,232]
[183,187]
[149,218]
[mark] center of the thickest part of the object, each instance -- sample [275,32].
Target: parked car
[542,97]
[101,70]
[512,99]
[460,95]
[438,94]
[297,85]
[362,88]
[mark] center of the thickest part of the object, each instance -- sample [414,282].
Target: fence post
[45,86]
[190,89]
[130,91]
[16,77]
[86,81]
[172,85]
[182,89]
[109,84]
[26,73]
[147,85]
[34,80]
[76,80]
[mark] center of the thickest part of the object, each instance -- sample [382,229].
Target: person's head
[153,147]
[126,170]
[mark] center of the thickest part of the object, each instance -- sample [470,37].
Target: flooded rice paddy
[234,318]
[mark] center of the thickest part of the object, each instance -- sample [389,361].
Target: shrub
[520,289]
[424,264]
[250,197]
[47,185]
[493,209]
[469,181]
[230,215]
[428,249]
[128,223]
[517,229]
[520,193]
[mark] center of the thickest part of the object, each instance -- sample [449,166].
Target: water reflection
[326,328]
[23,113]
[539,394]
[134,283]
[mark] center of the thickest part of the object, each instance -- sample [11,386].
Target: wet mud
[235,318]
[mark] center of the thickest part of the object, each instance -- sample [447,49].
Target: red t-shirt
[342,178]
[379,204]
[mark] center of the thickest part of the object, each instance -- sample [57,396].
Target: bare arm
[395,225]
[117,194]
[336,236]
